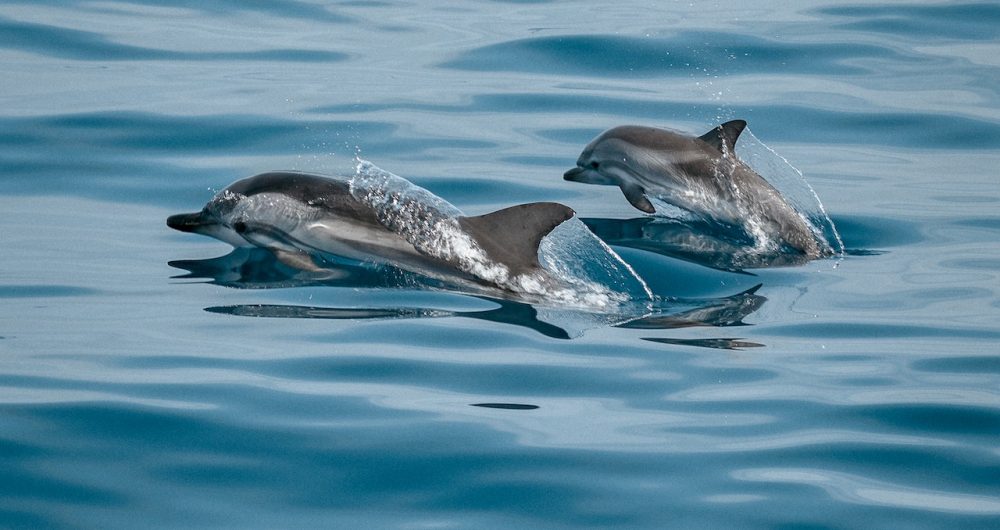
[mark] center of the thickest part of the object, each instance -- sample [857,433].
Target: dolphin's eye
[594,164]
[240,227]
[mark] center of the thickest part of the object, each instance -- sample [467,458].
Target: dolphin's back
[646,137]
[303,187]
[329,193]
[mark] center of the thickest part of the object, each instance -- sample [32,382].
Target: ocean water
[155,379]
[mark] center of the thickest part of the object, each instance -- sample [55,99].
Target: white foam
[575,262]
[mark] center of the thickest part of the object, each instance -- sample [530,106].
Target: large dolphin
[701,175]
[299,215]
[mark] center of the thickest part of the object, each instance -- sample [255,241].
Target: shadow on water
[259,269]
[862,233]
[719,344]
[515,313]
[718,312]
[506,406]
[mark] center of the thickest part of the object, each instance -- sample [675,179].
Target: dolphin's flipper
[637,196]
[724,136]
[297,260]
[262,236]
[511,236]
[291,256]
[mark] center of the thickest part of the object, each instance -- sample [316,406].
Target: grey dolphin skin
[701,175]
[297,215]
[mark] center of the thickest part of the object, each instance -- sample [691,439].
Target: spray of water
[579,269]
[792,185]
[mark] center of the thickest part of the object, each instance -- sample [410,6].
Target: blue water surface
[153,379]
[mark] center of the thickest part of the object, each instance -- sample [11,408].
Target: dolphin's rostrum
[700,175]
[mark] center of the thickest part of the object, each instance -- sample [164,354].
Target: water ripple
[860,490]
[776,121]
[958,21]
[680,54]
[66,43]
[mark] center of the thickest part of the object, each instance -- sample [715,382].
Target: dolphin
[298,216]
[701,175]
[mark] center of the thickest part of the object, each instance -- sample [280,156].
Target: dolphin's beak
[186,222]
[574,173]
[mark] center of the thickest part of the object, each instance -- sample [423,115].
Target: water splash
[579,269]
[792,185]
[426,221]
[561,252]
[764,243]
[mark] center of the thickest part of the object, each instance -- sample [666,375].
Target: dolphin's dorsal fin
[511,236]
[724,136]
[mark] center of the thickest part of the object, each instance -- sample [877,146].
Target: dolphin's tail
[511,236]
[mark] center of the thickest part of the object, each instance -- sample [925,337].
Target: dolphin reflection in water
[705,243]
[256,268]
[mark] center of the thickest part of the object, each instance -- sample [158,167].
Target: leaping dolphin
[299,215]
[701,175]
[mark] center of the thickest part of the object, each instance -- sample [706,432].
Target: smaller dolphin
[701,175]
[299,215]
